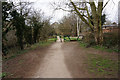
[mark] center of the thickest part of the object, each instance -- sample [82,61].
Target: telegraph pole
[77,27]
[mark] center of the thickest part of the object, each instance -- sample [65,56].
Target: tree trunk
[98,34]
[99,12]
[96,12]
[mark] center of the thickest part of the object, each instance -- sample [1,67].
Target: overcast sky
[111,9]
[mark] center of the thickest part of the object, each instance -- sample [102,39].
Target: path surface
[54,65]
[59,60]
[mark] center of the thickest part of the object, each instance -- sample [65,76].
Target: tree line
[29,25]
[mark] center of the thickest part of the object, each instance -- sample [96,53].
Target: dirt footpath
[55,61]
[53,64]
[59,60]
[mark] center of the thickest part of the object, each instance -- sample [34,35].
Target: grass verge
[82,44]
[102,66]
[102,48]
[32,47]
[105,49]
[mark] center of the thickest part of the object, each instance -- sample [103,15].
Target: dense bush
[28,35]
[111,40]
[89,39]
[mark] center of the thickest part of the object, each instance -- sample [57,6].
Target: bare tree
[85,9]
[68,25]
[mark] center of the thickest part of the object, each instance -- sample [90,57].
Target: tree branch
[93,8]
[82,18]
[100,7]
[105,4]
[64,9]
[88,14]
[81,8]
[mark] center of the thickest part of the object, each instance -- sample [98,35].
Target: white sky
[111,9]
[47,8]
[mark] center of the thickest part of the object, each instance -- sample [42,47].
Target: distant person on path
[55,38]
[60,38]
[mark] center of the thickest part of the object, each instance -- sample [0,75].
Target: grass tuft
[3,75]
[100,65]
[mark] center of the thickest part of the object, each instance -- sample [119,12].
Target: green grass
[4,74]
[42,44]
[82,44]
[75,39]
[101,65]
[16,54]
[71,38]
[34,46]
[52,39]
[102,48]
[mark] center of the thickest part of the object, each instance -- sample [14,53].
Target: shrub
[111,40]
[89,38]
